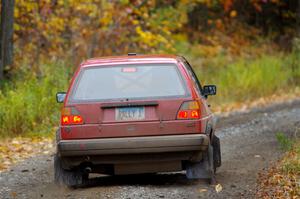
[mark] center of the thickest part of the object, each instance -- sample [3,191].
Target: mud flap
[217,152]
[199,170]
[73,179]
[203,169]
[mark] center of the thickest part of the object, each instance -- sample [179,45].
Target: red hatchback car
[135,114]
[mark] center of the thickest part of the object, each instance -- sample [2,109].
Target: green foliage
[294,61]
[28,103]
[284,142]
[248,79]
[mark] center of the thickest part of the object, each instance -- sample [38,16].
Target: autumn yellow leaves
[14,150]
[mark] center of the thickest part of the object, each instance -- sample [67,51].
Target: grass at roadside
[28,106]
[248,79]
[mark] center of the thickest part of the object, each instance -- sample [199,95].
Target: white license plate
[130,113]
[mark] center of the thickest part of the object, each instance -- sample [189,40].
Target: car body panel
[101,122]
[136,145]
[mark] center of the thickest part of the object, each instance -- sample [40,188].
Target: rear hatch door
[130,100]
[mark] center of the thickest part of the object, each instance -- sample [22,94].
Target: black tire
[70,178]
[216,152]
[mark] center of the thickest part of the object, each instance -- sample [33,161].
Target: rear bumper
[133,145]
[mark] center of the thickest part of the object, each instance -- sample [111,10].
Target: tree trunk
[6,34]
[298,18]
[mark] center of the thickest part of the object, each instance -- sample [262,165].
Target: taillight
[70,116]
[189,110]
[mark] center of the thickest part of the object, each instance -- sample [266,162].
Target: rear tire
[70,178]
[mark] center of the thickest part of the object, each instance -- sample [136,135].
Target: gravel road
[248,145]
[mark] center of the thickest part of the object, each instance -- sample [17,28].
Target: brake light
[65,120]
[70,115]
[195,114]
[77,119]
[183,114]
[189,110]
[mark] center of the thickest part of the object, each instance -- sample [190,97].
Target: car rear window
[128,82]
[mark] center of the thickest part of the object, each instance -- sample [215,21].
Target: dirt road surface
[248,145]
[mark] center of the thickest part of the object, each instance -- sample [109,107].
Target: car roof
[130,59]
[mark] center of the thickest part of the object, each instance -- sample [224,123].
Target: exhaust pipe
[87,170]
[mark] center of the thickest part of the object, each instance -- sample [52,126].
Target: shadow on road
[167,179]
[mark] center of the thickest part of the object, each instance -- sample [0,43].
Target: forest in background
[79,29]
[249,48]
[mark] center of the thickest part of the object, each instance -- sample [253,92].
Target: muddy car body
[135,114]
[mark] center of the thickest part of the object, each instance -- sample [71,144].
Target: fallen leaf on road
[280,181]
[13,150]
[46,152]
[202,190]
[13,194]
[218,188]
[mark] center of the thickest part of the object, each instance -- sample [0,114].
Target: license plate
[130,113]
